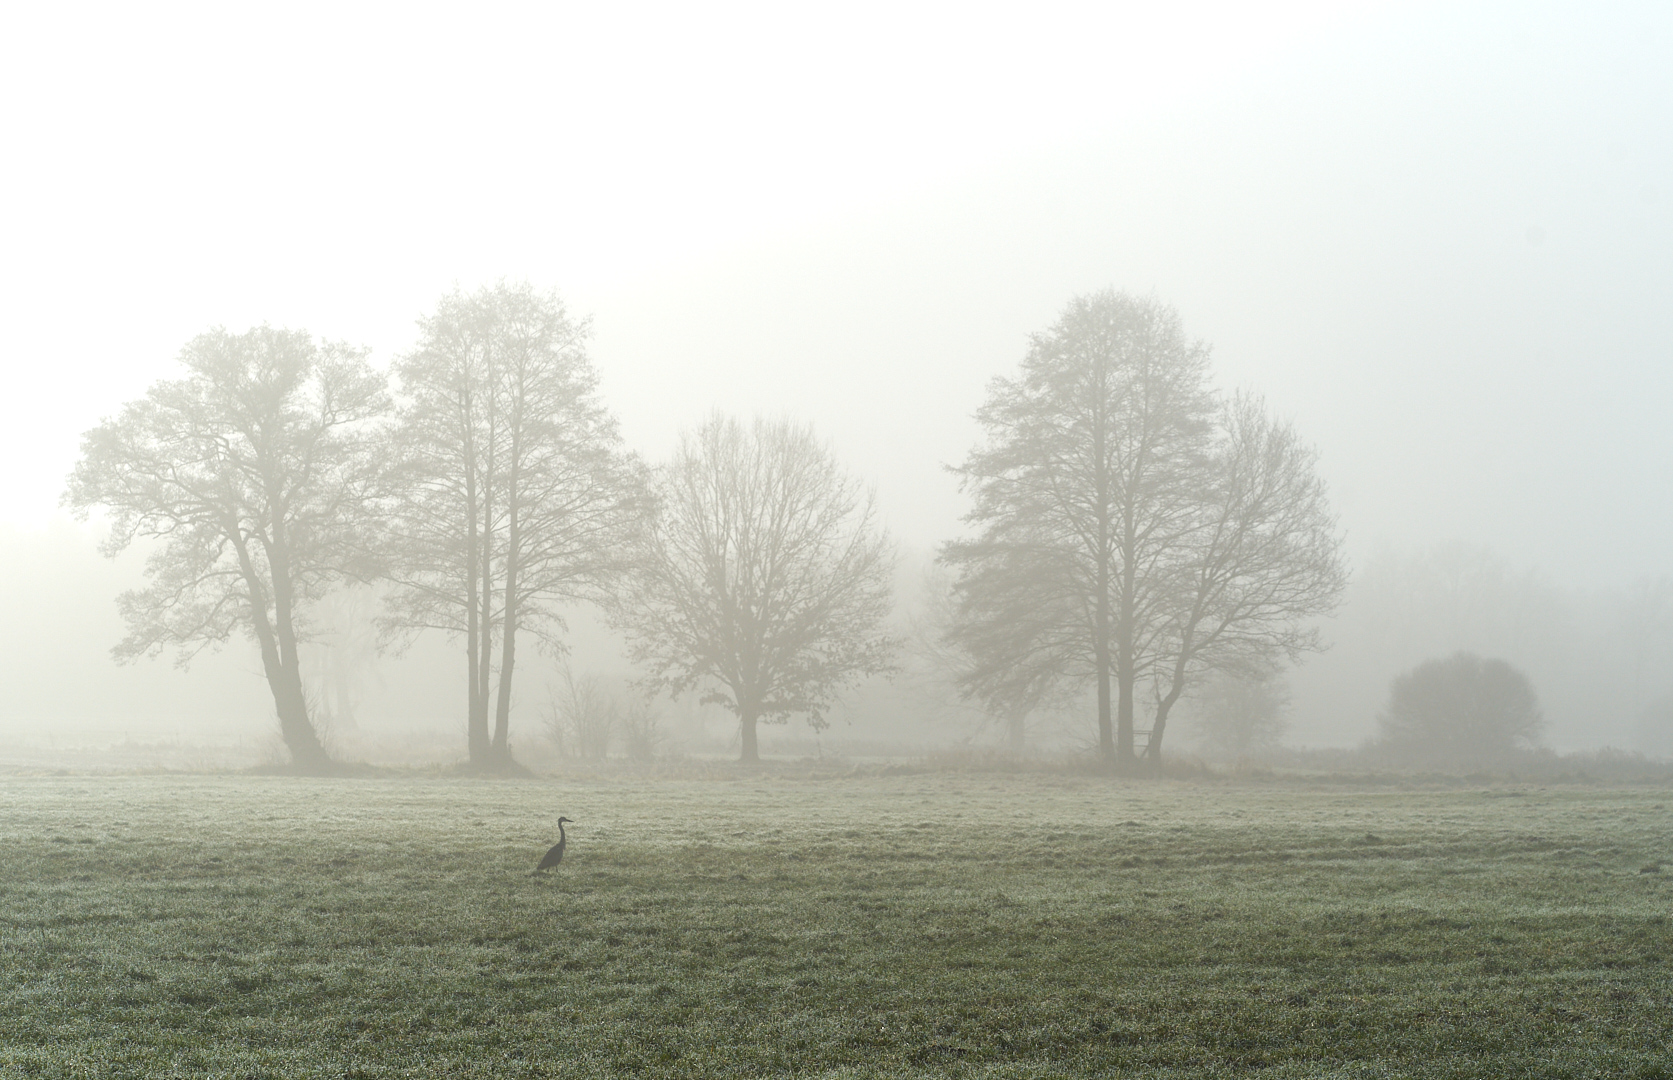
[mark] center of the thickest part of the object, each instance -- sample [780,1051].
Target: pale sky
[1436,236]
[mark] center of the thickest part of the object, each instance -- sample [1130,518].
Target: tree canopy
[764,579]
[249,478]
[511,493]
[1129,528]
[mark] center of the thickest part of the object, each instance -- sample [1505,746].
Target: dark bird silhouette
[555,856]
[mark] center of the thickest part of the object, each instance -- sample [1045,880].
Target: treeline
[1132,531]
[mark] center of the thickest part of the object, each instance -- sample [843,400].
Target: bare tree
[584,716]
[1262,561]
[589,713]
[252,473]
[1129,531]
[763,580]
[513,494]
[1085,489]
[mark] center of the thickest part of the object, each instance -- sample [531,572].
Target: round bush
[1460,711]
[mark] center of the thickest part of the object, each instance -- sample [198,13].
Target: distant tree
[641,729]
[252,475]
[584,716]
[1644,636]
[1460,711]
[1085,491]
[1130,529]
[1655,727]
[1241,714]
[512,493]
[764,579]
[938,668]
[340,659]
[1263,559]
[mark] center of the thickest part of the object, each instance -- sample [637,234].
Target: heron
[555,856]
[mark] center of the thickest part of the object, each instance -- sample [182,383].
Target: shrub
[1462,711]
[583,717]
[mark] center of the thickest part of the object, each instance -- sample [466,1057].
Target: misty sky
[1438,237]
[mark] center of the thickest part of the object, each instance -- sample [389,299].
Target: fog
[1436,237]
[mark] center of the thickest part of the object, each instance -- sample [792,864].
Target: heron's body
[554,856]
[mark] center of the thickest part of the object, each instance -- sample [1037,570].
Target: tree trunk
[508,616]
[291,705]
[1101,656]
[1110,749]
[502,709]
[476,722]
[508,661]
[1153,750]
[1125,662]
[482,752]
[746,729]
[476,640]
[301,739]
[482,749]
[1107,748]
[1124,718]
[299,732]
[285,681]
[300,735]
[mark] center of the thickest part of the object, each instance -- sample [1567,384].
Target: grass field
[881,925]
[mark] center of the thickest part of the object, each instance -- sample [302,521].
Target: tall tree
[764,578]
[1131,532]
[1086,487]
[513,495]
[251,474]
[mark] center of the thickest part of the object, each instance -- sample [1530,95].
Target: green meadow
[799,923]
